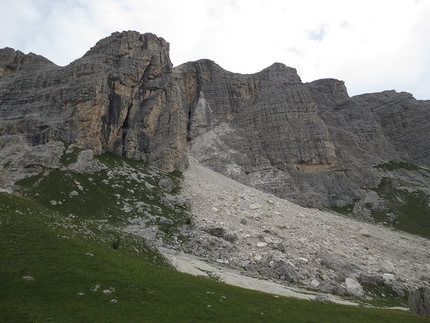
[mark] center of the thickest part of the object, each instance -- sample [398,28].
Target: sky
[372,45]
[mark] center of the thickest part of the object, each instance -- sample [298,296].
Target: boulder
[340,265]
[331,287]
[167,185]
[315,283]
[370,279]
[387,267]
[353,287]
[398,290]
[419,302]
[286,272]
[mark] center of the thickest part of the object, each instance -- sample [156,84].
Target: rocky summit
[307,142]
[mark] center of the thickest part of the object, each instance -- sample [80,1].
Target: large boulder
[419,302]
[369,279]
[353,287]
[342,267]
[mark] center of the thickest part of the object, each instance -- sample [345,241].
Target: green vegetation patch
[125,190]
[408,210]
[397,165]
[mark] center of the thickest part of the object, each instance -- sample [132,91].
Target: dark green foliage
[345,210]
[116,243]
[400,165]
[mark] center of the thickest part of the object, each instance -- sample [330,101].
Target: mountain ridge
[308,142]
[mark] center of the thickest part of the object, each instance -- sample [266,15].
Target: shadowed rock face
[308,142]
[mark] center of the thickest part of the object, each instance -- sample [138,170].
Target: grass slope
[125,190]
[64,262]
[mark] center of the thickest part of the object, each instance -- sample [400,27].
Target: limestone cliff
[308,142]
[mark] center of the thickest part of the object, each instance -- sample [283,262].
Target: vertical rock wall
[308,142]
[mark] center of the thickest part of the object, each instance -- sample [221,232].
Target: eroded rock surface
[419,302]
[308,142]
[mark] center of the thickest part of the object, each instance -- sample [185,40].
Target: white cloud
[371,45]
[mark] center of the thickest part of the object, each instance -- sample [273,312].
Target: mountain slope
[63,259]
[307,142]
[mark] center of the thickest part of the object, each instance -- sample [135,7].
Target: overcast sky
[372,45]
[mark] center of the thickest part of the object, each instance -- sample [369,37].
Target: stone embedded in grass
[95,288]
[27,277]
[322,298]
[419,302]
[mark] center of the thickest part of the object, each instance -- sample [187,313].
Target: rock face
[307,142]
[419,302]
[118,97]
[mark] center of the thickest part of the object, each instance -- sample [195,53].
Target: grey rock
[166,184]
[398,290]
[364,233]
[388,278]
[86,163]
[331,287]
[419,301]
[214,231]
[230,237]
[280,247]
[353,287]
[387,267]
[245,263]
[167,203]
[369,279]
[323,298]
[315,283]
[19,159]
[287,272]
[340,265]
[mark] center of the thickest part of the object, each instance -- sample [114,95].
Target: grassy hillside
[124,191]
[64,257]
[50,271]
